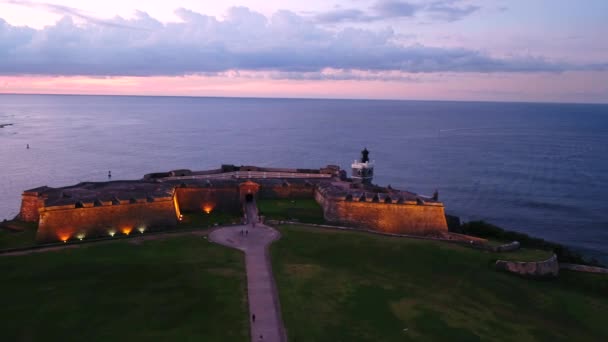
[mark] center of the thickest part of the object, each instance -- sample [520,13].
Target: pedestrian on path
[253,318]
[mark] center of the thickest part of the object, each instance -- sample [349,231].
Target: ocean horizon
[311,98]
[537,168]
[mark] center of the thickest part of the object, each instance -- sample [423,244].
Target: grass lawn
[523,254]
[204,220]
[348,286]
[15,239]
[304,210]
[177,289]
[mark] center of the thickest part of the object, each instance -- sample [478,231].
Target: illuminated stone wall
[64,223]
[195,199]
[30,203]
[395,218]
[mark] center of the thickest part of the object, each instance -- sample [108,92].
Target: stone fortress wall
[384,213]
[31,201]
[195,199]
[69,223]
[98,209]
[157,201]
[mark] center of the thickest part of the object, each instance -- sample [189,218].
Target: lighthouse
[363,170]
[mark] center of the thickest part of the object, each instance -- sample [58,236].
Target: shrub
[488,230]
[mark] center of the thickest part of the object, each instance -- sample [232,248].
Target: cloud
[443,10]
[448,11]
[344,15]
[391,8]
[285,43]
[325,74]
[66,10]
[382,9]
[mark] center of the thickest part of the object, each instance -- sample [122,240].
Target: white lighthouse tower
[363,170]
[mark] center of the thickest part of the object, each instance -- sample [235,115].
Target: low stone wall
[477,241]
[583,268]
[508,247]
[535,269]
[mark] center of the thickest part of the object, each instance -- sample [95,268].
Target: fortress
[156,202]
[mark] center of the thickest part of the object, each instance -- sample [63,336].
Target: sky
[491,50]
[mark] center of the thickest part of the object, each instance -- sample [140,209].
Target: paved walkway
[261,289]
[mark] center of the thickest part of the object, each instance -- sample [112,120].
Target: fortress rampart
[158,200]
[31,201]
[397,213]
[65,223]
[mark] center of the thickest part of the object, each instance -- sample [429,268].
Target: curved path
[261,289]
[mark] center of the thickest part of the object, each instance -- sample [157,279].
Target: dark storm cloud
[284,43]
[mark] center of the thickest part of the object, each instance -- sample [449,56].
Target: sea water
[537,168]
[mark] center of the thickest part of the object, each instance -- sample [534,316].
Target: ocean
[537,168]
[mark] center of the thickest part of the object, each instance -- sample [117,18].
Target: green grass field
[347,286]
[174,289]
[14,239]
[303,210]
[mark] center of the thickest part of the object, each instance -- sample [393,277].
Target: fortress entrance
[248,191]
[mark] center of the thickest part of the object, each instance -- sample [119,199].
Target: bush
[487,230]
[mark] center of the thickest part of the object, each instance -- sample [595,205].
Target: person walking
[253,318]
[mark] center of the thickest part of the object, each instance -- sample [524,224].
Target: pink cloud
[570,86]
